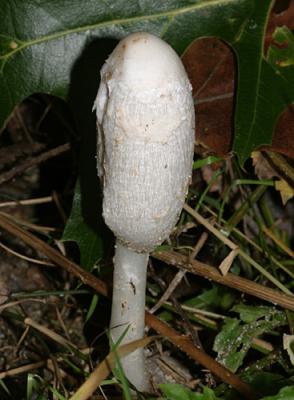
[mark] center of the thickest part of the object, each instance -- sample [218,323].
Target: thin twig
[34,227]
[278,242]
[233,246]
[17,302]
[26,202]
[252,243]
[102,371]
[176,338]
[29,367]
[168,292]
[22,369]
[200,243]
[59,207]
[199,311]
[22,256]
[53,255]
[23,337]
[49,333]
[200,319]
[204,359]
[20,168]
[242,210]
[177,307]
[233,281]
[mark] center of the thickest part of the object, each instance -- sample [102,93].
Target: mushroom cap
[145,121]
[144,61]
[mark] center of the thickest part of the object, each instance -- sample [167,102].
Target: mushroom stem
[128,309]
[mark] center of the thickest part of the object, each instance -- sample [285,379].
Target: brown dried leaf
[263,169]
[283,139]
[286,191]
[227,262]
[210,66]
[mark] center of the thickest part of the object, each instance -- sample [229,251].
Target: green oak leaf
[265,85]
[281,54]
[287,393]
[83,228]
[41,40]
[174,391]
[59,47]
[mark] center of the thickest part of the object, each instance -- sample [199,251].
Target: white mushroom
[145,120]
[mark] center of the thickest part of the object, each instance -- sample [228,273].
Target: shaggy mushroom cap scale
[145,119]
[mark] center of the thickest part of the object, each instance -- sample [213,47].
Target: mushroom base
[128,309]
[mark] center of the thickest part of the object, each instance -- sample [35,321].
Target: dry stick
[29,367]
[233,246]
[200,243]
[169,291]
[230,280]
[102,371]
[48,332]
[184,343]
[17,302]
[26,202]
[239,214]
[11,153]
[28,225]
[23,257]
[22,369]
[59,207]
[22,338]
[54,255]
[13,172]
[278,242]
[254,244]
[199,311]
[172,286]
[178,308]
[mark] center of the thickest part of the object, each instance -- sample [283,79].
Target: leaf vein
[120,21]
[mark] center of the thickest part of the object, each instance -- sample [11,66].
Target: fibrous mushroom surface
[145,120]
